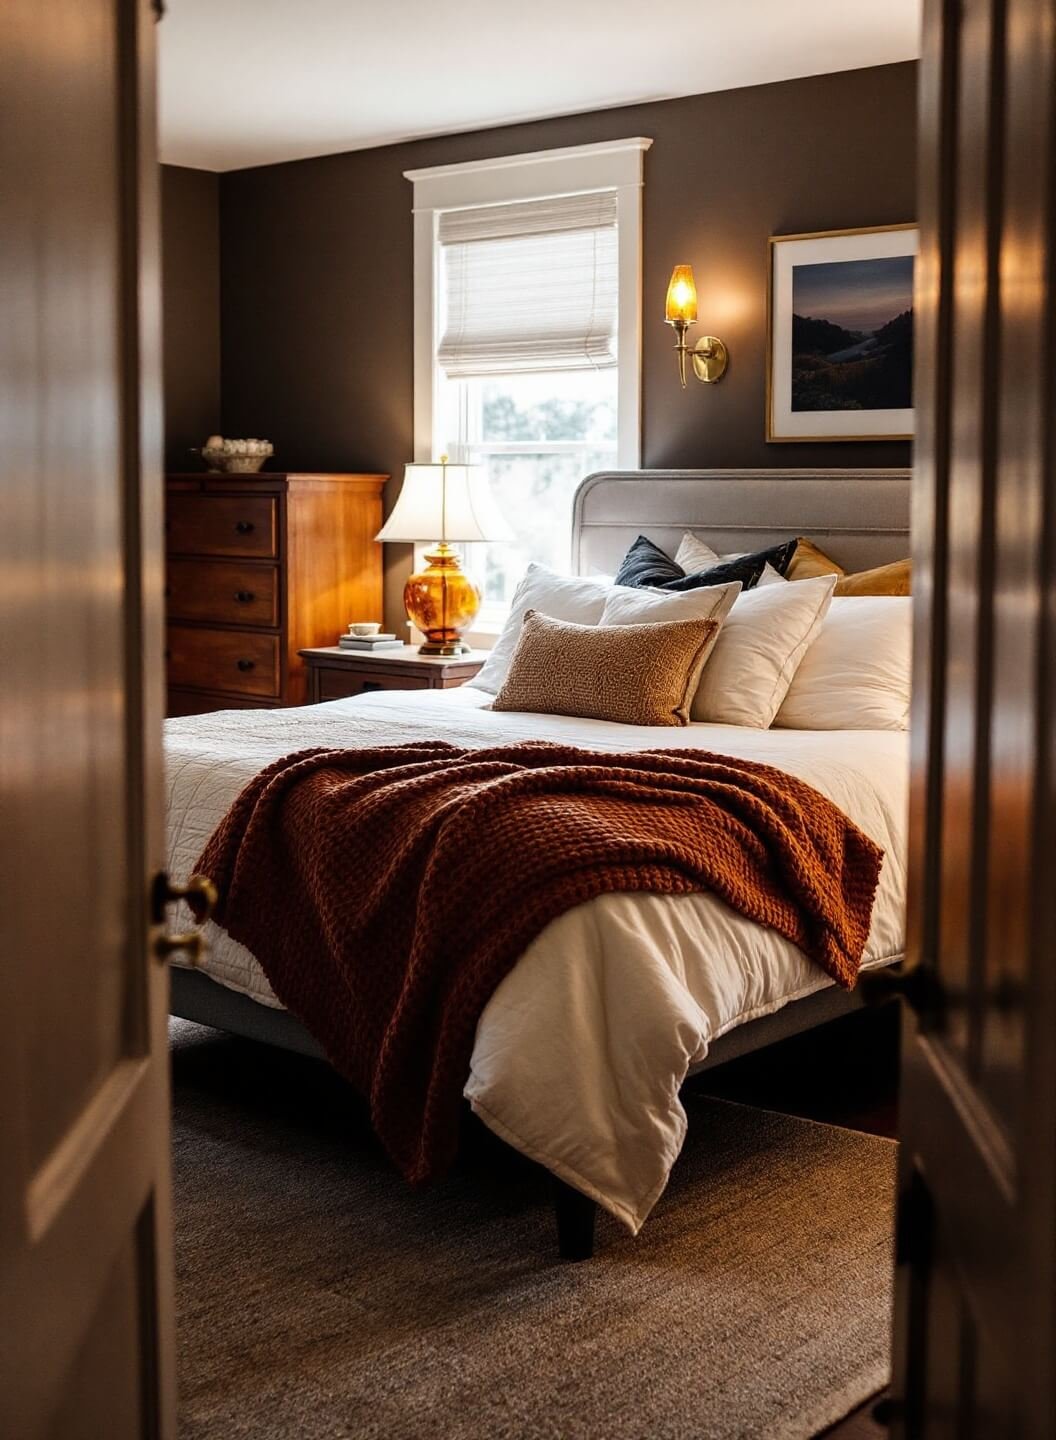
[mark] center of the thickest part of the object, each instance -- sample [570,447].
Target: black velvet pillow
[645,564]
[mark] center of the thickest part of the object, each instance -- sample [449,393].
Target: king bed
[582,1049]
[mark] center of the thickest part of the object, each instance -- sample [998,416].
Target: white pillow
[758,651]
[770,576]
[631,605]
[562,597]
[695,554]
[855,676]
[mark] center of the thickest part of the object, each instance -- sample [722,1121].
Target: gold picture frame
[789,423]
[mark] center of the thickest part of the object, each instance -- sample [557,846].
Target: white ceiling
[250,82]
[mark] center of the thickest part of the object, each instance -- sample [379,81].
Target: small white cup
[364,627]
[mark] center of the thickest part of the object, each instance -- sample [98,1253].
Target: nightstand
[334,673]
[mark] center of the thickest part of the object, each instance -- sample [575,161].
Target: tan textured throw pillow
[631,674]
[893,579]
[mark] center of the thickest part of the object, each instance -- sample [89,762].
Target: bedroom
[598,985]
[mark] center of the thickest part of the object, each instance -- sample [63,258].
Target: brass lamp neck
[680,327]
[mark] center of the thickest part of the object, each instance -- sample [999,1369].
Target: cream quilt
[581,1052]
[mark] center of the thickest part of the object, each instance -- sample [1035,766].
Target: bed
[579,1065]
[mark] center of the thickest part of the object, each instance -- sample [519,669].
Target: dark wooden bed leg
[575,1213]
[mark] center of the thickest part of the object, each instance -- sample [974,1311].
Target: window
[527,321]
[536,437]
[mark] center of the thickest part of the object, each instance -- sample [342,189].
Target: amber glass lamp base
[442,601]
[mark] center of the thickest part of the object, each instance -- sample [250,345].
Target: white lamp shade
[438,506]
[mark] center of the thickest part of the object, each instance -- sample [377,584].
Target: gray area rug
[319,1297]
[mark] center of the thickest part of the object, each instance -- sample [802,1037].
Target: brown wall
[190,244]
[317,267]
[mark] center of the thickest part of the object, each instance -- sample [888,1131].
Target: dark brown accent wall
[190,255]
[317,267]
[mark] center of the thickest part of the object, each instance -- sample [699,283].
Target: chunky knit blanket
[386,892]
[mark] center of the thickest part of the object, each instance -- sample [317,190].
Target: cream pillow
[758,651]
[631,605]
[695,554]
[856,674]
[629,674]
[564,597]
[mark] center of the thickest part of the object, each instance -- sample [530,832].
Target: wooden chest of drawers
[257,568]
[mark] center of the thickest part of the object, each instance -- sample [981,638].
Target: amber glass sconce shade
[452,502]
[709,355]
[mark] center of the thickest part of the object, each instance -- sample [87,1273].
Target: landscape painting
[842,335]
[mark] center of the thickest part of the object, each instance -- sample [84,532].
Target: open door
[85,1294]
[976,1290]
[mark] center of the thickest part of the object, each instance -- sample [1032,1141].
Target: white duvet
[580,1053]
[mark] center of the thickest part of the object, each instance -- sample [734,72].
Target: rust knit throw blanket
[387,892]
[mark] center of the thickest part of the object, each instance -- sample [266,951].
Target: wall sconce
[709,354]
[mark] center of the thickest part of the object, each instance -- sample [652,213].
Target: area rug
[319,1297]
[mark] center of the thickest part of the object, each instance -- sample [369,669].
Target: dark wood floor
[843,1074]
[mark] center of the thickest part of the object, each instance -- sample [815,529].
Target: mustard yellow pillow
[893,579]
[632,674]
[809,561]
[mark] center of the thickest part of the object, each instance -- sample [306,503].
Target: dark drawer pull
[244,597]
[246,664]
[243,527]
[371,685]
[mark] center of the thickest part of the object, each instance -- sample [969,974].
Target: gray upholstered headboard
[859,517]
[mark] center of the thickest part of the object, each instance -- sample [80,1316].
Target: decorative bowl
[238,457]
[363,628]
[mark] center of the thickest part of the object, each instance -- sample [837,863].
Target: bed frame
[860,518]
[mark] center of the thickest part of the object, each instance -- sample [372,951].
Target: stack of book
[369,643]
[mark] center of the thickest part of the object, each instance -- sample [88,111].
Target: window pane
[575,405]
[534,492]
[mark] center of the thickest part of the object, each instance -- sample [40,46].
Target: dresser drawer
[222,525]
[243,661]
[201,702]
[222,591]
[338,682]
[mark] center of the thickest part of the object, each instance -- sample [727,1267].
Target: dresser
[256,568]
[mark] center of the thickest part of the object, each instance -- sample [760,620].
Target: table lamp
[454,503]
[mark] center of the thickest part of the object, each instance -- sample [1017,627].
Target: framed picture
[840,353]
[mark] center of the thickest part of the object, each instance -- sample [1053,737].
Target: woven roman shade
[529,287]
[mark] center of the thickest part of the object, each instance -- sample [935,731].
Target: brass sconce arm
[709,355]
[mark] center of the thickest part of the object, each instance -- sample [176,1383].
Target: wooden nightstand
[334,673]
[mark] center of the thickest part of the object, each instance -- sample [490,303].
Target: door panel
[975,1333]
[85,1288]
[105,1374]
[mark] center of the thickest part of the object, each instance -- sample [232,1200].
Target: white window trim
[613,164]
